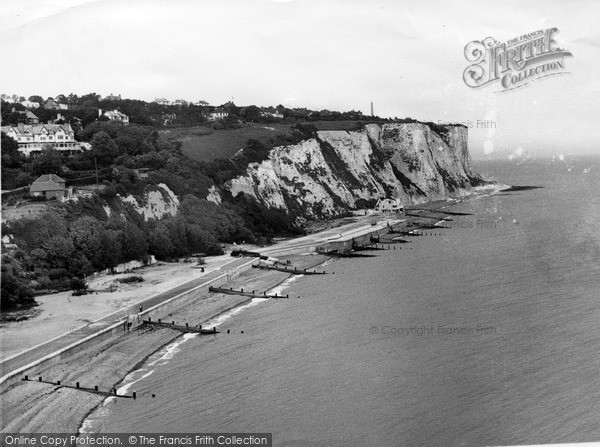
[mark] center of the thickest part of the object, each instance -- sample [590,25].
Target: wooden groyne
[289,270]
[347,254]
[450,213]
[187,328]
[94,390]
[368,247]
[241,292]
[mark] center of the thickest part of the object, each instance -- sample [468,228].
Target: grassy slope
[204,144]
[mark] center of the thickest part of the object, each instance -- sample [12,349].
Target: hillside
[204,143]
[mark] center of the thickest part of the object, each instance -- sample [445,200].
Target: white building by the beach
[388,205]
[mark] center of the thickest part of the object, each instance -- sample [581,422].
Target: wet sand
[41,407]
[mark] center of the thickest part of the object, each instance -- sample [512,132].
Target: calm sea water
[487,334]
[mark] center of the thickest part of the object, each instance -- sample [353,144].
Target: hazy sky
[405,56]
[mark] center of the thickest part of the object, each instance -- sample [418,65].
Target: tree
[85,233]
[50,161]
[104,148]
[110,251]
[59,251]
[160,243]
[11,157]
[15,293]
[78,285]
[252,113]
[132,239]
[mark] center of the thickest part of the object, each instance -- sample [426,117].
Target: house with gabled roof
[31,118]
[115,115]
[50,186]
[34,137]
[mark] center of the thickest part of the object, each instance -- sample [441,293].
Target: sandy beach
[41,407]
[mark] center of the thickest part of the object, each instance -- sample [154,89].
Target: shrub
[131,280]
[78,285]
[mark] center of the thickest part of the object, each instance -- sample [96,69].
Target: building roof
[31,115]
[114,113]
[47,182]
[219,110]
[36,129]
[49,178]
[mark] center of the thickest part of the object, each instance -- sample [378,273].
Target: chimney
[58,116]
[99,113]
[372,108]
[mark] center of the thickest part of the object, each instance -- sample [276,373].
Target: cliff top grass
[206,144]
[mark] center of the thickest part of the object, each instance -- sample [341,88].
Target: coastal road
[75,334]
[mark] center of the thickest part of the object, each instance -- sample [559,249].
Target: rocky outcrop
[156,204]
[340,170]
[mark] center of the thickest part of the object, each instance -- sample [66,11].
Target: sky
[406,57]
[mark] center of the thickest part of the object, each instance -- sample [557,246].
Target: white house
[388,205]
[272,112]
[30,104]
[219,114]
[34,137]
[181,103]
[115,115]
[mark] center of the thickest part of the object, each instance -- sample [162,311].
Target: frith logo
[515,63]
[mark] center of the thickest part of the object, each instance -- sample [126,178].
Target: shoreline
[110,362]
[91,429]
[33,407]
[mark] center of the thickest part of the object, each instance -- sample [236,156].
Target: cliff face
[157,204]
[341,170]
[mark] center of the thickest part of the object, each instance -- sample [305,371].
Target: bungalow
[181,103]
[272,112]
[218,114]
[112,97]
[142,173]
[30,104]
[49,186]
[51,104]
[162,101]
[388,205]
[201,103]
[115,115]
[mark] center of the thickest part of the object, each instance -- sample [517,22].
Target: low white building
[30,104]
[218,114]
[388,205]
[115,115]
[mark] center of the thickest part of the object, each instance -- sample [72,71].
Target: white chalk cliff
[341,170]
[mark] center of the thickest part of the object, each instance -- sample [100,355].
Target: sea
[485,333]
